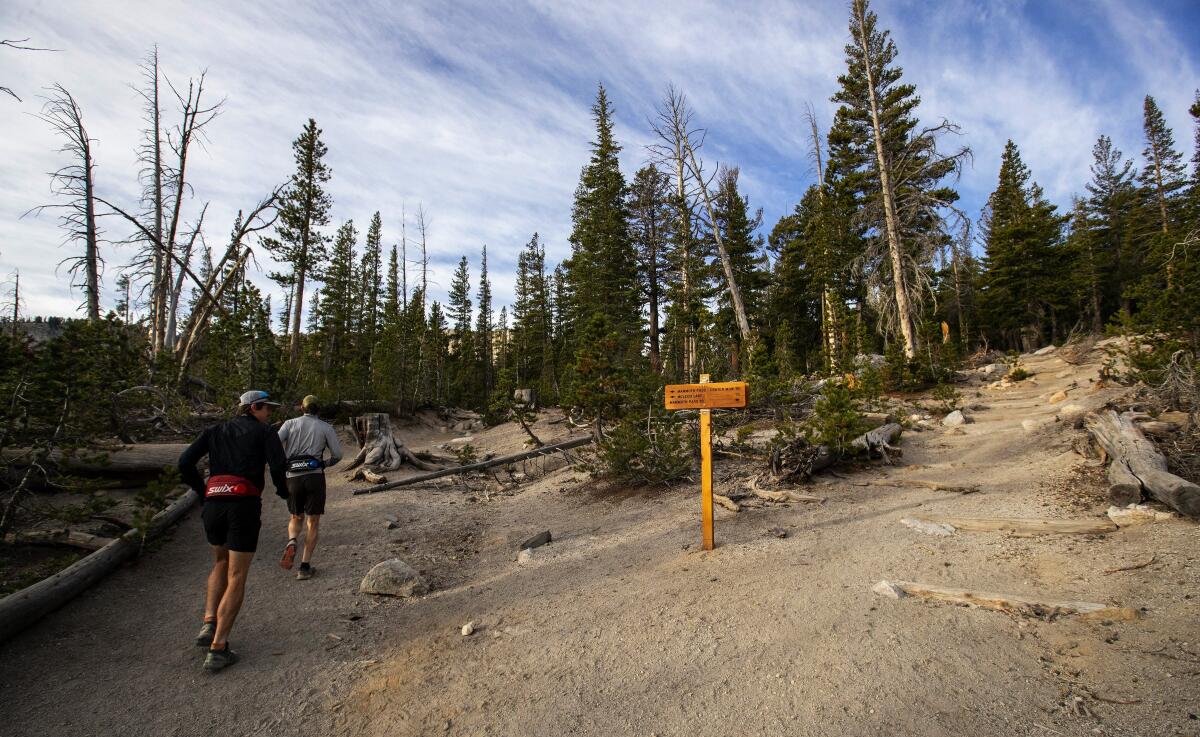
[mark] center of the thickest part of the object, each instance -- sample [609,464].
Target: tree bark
[891,221]
[1126,445]
[380,450]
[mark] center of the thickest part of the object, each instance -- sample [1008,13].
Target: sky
[479,112]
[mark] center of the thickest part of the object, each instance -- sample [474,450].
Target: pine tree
[1022,234]
[531,319]
[485,353]
[602,272]
[336,312]
[1164,172]
[1110,225]
[650,227]
[462,340]
[900,169]
[303,209]
[373,296]
[604,326]
[747,259]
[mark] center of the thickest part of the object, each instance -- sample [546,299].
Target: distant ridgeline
[40,329]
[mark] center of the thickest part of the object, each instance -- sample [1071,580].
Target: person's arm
[188,460]
[277,462]
[335,448]
[284,431]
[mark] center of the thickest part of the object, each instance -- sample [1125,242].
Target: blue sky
[479,112]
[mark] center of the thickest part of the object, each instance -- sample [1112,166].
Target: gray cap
[257,396]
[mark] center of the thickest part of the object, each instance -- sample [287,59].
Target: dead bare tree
[167,241]
[17,43]
[672,124]
[75,182]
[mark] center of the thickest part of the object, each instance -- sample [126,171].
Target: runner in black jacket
[237,451]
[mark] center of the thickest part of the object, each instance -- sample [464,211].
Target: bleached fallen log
[67,537]
[144,459]
[1044,609]
[879,441]
[499,461]
[918,484]
[781,495]
[30,604]
[1127,446]
[1025,525]
[726,502]
[366,474]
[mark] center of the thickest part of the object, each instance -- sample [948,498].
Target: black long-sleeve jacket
[239,447]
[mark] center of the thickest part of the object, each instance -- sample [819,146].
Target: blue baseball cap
[257,396]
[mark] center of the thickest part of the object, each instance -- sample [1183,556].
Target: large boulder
[393,578]
[993,368]
[1045,351]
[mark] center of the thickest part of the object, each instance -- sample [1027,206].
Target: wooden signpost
[706,397]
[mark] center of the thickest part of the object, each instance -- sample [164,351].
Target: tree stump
[380,450]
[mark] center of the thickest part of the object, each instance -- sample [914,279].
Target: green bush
[946,396]
[836,419]
[646,450]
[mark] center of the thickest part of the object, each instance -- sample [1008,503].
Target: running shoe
[289,556]
[220,659]
[306,572]
[205,638]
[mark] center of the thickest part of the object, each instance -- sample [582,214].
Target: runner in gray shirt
[305,440]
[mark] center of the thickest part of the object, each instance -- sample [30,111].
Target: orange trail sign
[706,397]
[719,395]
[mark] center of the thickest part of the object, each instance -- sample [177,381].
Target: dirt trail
[623,626]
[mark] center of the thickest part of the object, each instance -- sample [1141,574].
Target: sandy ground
[623,626]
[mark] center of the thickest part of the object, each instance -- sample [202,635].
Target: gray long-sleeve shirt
[309,435]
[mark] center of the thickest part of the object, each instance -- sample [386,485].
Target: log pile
[1137,467]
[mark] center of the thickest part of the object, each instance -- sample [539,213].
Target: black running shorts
[233,523]
[306,494]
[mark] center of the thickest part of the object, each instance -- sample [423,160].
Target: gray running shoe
[305,573]
[220,659]
[205,638]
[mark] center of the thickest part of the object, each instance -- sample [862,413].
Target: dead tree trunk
[1140,463]
[380,450]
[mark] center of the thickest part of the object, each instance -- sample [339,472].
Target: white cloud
[481,112]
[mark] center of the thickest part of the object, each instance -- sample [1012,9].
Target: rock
[874,360]
[1045,351]
[1058,397]
[1136,514]
[525,556]
[391,524]
[1071,410]
[956,418]
[888,589]
[460,442]
[393,578]
[468,629]
[778,532]
[1030,425]
[977,407]
[536,541]
[993,368]
[929,528]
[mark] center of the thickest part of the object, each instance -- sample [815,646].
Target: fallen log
[1125,444]
[879,441]
[30,604]
[781,495]
[469,468]
[67,537]
[1005,602]
[726,502]
[1025,525]
[146,459]
[1133,567]
[918,484]
[366,474]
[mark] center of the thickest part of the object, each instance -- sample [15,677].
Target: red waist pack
[227,487]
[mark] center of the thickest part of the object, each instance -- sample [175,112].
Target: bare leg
[294,525]
[216,582]
[310,540]
[231,602]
